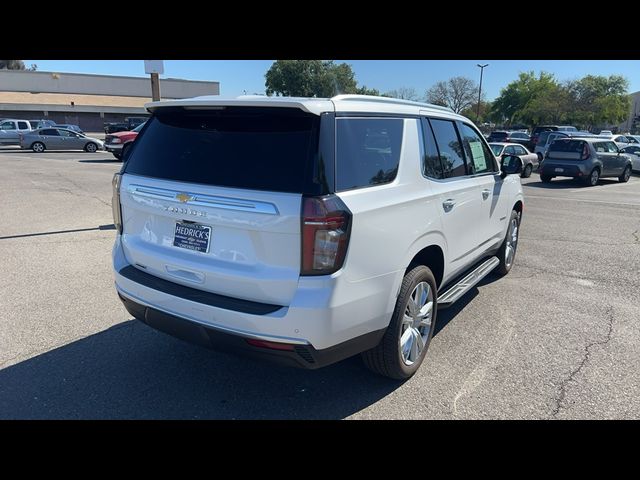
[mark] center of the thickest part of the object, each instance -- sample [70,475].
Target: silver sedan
[59,139]
[530,160]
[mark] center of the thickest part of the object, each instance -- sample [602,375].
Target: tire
[389,358]
[592,179]
[546,178]
[507,252]
[527,171]
[38,147]
[91,147]
[624,178]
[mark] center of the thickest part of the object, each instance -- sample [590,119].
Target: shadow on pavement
[104,160]
[562,183]
[131,371]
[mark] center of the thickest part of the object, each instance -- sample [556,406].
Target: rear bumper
[328,316]
[568,170]
[301,356]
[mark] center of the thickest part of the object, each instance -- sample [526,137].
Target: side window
[509,150]
[449,147]
[520,151]
[431,165]
[65,133]
[23,126]
[600,148]
[622,139]
[50,132]
[613,148]
[7,126]
[367,151]
[478,154]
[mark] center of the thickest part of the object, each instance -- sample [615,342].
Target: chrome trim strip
[233,331]
[225,203]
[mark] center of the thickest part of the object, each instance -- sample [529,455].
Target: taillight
[115,202]
[585,152]
[326,226]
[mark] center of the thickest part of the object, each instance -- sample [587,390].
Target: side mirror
[511,164]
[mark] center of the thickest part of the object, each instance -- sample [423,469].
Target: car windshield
[496,149]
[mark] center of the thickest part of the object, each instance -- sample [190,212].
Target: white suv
[307,230]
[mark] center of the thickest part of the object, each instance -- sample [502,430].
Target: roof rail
[396,101]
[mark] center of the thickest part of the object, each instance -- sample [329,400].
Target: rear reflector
[271,345]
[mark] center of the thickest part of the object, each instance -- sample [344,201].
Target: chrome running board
[457,290]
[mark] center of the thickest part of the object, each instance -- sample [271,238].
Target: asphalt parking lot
[556,338]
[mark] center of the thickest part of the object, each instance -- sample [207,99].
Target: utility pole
[155,87]
[480,90]
[154,68]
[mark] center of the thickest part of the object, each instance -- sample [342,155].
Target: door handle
[448,204]
[485,194]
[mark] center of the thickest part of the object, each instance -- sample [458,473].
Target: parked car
[59,139]
[633,151]
[633,139]
[530,160]
[257,231]
[620,140]
[118,143]
[36,124]
[607,133]
[10,131]
[537,131]
[589,159]
[69,126]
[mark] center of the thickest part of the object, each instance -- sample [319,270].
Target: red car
[117,143]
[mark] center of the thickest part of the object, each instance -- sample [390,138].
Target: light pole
[480,89]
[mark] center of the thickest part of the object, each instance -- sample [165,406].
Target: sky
[238,77]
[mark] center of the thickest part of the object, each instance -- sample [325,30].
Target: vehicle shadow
[131,371]
[103,160]
[560,184]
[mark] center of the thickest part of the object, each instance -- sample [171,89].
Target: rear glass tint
[574,146]
[368,151]
[254,148]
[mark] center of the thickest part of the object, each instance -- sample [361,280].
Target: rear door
[51,139]
[459,195]
[211,199]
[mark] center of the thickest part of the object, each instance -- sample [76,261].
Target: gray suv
[585,158]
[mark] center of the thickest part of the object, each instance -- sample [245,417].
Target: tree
[599,100]
[364,90]
[12,65]
[521,94]
[472,111]
[405,93]
[457,93]
[310,78]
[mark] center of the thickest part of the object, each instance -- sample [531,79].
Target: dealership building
[86,100]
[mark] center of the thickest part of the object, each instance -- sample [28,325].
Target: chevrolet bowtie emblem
[184,197]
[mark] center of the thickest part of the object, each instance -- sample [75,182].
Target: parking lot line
[583,200]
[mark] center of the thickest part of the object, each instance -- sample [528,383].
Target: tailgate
[253,246]
[211,198]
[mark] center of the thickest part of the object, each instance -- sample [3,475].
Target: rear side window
[367,151]
[432,167]
[23,126]
[239,147]
[50,132]
[479,155]
[450,148]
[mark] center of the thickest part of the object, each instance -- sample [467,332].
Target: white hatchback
[306,230]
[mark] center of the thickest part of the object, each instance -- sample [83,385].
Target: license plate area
[560,170]
[192,236]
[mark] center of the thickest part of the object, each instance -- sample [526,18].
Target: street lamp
[480,89]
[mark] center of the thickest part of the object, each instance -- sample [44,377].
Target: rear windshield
[574,146]
[254,148]
[542,139]
[498,135]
